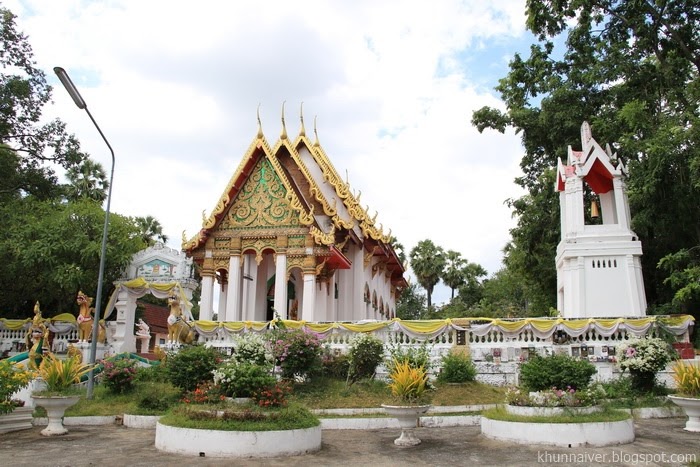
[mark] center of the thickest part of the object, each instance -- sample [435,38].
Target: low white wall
[215,443]
[560,434]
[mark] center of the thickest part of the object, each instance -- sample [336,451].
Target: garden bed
[609,428]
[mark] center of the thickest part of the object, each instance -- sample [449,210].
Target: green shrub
[156,397]
[157,373]
[457,368]
[297,352]
[119,376]
[365,355]
[556,371]
[335,365]
[242,379]
[250,348]
[192,365]
[416,357]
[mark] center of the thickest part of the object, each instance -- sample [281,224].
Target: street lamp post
[77,98]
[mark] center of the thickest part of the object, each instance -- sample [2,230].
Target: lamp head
[70,87]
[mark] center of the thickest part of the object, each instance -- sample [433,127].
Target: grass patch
[606,415]
[639,402]
[102,403]
[240,418]
[328,393]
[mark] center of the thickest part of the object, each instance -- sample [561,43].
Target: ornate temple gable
[593,163]
[269,171]
[263,202]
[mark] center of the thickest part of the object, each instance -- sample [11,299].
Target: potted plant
[410,387]
[687,377]
[59,377]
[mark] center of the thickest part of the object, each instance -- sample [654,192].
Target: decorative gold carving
[262,201]
[319,267]
[321,237]
[283,135]
[368,256]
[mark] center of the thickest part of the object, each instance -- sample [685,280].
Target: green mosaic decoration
[262,202]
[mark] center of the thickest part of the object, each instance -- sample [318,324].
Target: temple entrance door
[291,295]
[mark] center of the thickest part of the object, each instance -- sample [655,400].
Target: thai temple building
[599,271]
[288,236]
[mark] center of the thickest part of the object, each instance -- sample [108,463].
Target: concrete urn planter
[408,417]
[691,407]
[55,408]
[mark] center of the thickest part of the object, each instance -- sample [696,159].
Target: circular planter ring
[141,421]
[217,443]
[560,434]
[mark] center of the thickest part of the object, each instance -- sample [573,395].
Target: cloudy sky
[175,87]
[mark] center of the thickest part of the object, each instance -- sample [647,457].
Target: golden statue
[84,317]
[179,330]
[37,337]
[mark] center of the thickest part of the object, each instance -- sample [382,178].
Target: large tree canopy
[52,233]
[630,68]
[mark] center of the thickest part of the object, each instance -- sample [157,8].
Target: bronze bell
[595,213]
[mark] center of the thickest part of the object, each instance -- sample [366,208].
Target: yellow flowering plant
[687,378]
[13,377]
[409,384]
[60,375]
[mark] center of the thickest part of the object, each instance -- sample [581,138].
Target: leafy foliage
[631,70]
[296,351]
[61,374]
[242,379]
[192,365]
[156,397]
[414,356]
[119,376]
[556,371]
[457,367]
[687,378]
[366,353]
[428,263]
[12,378]
[407,383]
[643,358]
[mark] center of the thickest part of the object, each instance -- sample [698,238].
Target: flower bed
[218,443]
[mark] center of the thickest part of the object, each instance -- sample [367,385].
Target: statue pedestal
[84,347]
[144,343]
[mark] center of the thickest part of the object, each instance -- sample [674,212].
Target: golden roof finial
[284,128]
[260,133]
[184,237]
[302,131]
[204,216]
[316,143]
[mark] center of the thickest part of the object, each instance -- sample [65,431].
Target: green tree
[472,290]
[87,180]
[50,250]
[428,263]
[150,230]
[411,303]
[453,274]
[630,68]
[28,149]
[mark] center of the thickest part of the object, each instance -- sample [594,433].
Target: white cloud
[175,86]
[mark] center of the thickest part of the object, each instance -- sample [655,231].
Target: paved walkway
[658,442]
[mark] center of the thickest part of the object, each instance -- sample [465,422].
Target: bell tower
[599,272]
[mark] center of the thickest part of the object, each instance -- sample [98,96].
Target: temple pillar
[281,285]
[206,308]
[223,300]
[233,294]
[307,306]
[123,339]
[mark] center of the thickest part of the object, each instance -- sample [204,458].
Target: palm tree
[150,230]
[87,180]
[427,262]
[453,275]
